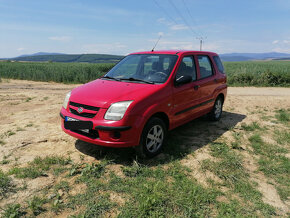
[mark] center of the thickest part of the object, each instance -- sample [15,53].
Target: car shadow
[181,141]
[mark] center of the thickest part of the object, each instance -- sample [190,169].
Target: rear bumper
[107,133]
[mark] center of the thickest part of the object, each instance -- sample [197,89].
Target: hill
[89,58]
[253,56]
[106,58]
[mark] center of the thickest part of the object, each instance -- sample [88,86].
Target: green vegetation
[230,169]
[248,73]
[38,167]
[251,127]
[273,162]
[57,72]
[5,184]
[283,115]
[36,205]
[258,73]
[13,211]
[89,58]
[177,183]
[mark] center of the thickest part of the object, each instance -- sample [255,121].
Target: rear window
[219,64]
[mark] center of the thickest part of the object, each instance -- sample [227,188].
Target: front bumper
[107,133]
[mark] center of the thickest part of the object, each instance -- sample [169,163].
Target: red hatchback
[143,97]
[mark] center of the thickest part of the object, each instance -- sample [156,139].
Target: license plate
[71,119]
[75,124]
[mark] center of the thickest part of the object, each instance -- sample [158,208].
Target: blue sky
[121,27]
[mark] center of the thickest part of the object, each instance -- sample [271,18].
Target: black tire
[152,139]
[217,109]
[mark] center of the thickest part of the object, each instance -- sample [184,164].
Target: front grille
[87,115]
[93,134]
[88,107]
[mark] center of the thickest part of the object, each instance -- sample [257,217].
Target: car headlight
[117,110]
[66,99]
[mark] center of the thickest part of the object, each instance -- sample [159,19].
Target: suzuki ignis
[143,97]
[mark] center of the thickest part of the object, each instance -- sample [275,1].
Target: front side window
[204,66]
[151,68]
[187,67]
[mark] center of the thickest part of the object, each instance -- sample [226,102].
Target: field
[237,167]
[251,73]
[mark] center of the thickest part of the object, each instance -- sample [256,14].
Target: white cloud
[282,50]
[60,38]
[286,41]
[179,27]
[20,49]
[160,33]
[171,25]
[104,48]
[275,42]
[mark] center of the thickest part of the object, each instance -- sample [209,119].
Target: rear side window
[204,66]
[219,64]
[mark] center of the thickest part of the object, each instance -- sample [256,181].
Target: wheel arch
[163,116]
[222,96]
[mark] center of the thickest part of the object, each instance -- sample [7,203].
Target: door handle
[196,87]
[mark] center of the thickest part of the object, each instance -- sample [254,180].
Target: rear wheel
[217,110]
[153,138]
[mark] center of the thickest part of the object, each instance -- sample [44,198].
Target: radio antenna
[156,43]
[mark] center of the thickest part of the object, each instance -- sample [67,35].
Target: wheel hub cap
[154,138]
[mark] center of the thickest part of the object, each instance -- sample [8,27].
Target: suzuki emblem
[80,109]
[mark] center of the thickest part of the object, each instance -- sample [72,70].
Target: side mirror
[183,80]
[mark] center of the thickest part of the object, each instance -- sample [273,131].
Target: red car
[143,97]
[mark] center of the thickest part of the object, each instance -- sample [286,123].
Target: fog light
[116,135]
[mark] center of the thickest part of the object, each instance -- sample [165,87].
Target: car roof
[176,52]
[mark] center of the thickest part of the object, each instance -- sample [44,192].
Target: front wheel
[217,110]
[153,138]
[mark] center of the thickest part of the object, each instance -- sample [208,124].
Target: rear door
[207,81]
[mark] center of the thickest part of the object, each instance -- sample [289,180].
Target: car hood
[102,93]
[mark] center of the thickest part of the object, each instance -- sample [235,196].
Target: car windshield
[146,68]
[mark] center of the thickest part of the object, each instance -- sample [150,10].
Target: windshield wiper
[109,77]
[138,80]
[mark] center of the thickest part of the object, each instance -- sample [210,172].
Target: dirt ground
[30,127]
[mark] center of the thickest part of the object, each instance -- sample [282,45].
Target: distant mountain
[105,58]
[56,57]
[253,56]
[39,53]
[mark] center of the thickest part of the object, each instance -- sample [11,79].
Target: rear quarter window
[219,64]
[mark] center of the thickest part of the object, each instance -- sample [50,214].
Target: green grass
[9,133]
[13,211]
[258,73]
[248,73]
[162,193]
[6,184]
[2,142]
[282,137]
[283,115]
[28,99]
[39,167]
[229,168]
[36,205]
[273,163]
[57,72]
[251,127]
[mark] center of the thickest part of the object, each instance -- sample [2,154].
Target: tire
[152,139]
[217,110]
